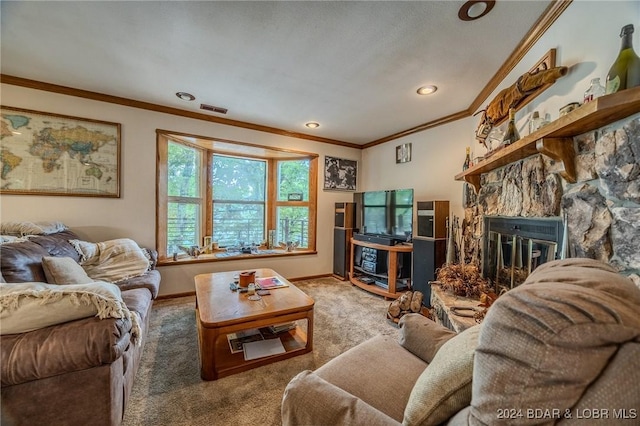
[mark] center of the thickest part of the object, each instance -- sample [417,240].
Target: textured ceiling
[354,67]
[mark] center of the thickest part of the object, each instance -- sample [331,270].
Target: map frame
[28,135]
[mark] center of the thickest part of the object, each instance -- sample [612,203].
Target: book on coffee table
[236,340]
[267,283]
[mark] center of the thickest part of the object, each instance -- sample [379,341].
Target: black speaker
[344,215]
[429,254]
[358,205]
[432,219]
[341,252]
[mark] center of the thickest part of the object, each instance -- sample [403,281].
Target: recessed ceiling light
[426,90]
[185,96]
[474,9]
[312,125]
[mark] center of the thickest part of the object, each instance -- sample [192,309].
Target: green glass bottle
[511,135]
[625,71]
[467,160]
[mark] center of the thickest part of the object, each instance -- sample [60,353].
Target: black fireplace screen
[514,247]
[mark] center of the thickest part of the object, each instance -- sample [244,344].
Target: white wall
[133,215]
[586,37]
[437,156]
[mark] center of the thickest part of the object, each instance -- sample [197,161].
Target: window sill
[223,256]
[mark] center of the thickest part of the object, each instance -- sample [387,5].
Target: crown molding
[64,90]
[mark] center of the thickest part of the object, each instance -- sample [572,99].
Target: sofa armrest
[150,280]
[58,349]
[309,399]
[422,336]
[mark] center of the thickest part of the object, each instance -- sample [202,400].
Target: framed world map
[51,154]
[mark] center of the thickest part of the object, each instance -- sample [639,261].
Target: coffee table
[220,311]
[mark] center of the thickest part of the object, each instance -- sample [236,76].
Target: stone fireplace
[602,208]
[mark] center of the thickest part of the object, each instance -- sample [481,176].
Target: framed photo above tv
[340,174]
[52,154]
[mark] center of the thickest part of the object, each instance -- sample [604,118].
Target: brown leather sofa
[562,348]
[76,373]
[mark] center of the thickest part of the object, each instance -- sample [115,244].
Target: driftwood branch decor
[525,89]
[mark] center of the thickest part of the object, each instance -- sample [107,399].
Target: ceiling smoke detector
[212,108]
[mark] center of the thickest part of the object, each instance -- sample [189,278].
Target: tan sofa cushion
[444,388]
[311,400]
[378,371]
[64,270]
[422,336]
[546,343]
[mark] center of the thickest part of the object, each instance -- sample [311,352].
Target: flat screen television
[388,213]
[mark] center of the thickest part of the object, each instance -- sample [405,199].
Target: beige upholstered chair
[551,351]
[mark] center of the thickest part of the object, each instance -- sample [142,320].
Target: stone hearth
[602,208]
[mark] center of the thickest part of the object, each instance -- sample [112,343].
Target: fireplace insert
[515,246]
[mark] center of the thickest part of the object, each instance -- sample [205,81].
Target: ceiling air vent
[213,108]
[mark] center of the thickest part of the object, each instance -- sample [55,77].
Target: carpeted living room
[319,213]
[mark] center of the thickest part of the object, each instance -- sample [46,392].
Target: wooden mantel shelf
[555,139]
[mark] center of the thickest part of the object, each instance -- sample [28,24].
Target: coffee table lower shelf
[217,361]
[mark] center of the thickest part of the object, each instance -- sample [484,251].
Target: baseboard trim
[311,277]
[176,295]
[193,293]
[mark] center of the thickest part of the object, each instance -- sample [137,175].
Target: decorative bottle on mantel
[467,160]
[511,135]
[594,91]
[625,71]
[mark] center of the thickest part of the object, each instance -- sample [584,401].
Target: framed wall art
[52,154]
[340,174]
[403,153]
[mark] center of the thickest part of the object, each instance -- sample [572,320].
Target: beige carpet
[168,389]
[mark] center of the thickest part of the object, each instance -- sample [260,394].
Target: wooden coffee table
[220,311]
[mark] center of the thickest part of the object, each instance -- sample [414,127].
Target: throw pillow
[444,388]
[112,260]
[422,336]
[30,306]
[64,270]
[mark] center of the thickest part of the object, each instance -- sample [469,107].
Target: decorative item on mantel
[625,71]
[528,85]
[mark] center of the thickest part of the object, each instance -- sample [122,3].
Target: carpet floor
[168,389]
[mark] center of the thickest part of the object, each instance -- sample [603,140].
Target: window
[292,211]
[234,192]
[239,199]
[184,196]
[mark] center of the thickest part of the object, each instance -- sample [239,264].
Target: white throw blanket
[30,306]
[113,260]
